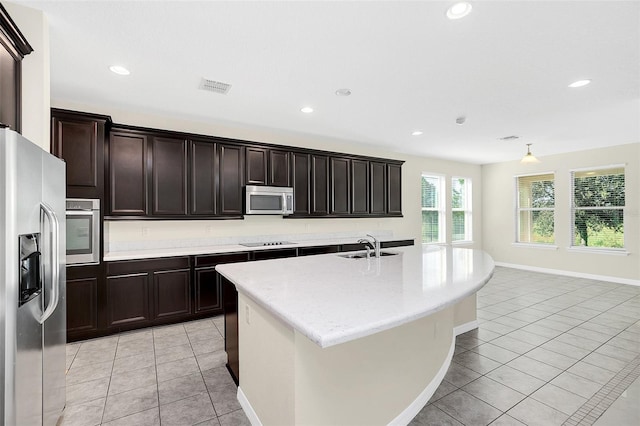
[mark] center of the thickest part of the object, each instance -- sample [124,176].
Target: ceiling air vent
[509,138]
[215,86]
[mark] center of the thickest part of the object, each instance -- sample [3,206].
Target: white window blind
[461,209]
[432,209]
[598,207]
[535,209]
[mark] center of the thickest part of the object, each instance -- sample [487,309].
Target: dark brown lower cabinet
[128,300]
[140,293]
[231,343]
[82,296]
[208,293]
[172,291]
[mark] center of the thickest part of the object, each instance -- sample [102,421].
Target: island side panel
[372,380]
[266,363]
[465,316]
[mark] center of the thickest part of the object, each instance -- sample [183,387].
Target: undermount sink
[361,255]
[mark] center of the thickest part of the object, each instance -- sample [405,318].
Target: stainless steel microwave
[268,200]
[83,231]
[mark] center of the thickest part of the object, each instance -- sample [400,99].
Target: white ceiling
[505,67]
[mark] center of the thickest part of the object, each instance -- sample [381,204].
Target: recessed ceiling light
[119,69]
[580,83]
[459,10]
[416,133]
[343,92]
[307,110]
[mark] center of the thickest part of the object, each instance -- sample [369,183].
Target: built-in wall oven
[83,231]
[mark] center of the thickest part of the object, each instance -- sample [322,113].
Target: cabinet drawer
[214,259]
[307,251]
[132,266]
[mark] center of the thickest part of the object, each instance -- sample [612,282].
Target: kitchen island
[332,339]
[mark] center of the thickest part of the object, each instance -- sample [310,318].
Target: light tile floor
[550,350]
[547,347]
[172,375]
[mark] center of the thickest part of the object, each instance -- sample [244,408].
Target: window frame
[441,207]
[467,209]
[573,208]
[519,209]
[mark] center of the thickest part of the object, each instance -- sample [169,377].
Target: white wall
[499,218]
[407,226]
[35,74]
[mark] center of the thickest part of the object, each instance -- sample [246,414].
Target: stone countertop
[332,299]
[227,248]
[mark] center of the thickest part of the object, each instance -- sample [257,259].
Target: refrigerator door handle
[55,260]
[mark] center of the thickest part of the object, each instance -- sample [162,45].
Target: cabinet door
[340,183]
[231,172]
[278,168]
[208,293]
[172,292]
[231,340]
[82,305]
[300,179]
[169,176]
[378,188]
[128,300]
[394,189]
[319,185]
[128,174]
[79,142]
[202,178]
[359,187]
[256,166]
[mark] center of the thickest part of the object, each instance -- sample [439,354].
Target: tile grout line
[606,396]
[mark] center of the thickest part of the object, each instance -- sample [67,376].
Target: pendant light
[528,157]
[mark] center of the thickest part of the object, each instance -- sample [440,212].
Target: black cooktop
[270,243]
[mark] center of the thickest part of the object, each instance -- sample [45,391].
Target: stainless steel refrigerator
[32,286]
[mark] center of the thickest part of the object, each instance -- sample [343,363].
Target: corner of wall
[36,79]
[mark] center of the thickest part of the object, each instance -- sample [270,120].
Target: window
[432,209]
[598,207]
[536,204]
[461,209]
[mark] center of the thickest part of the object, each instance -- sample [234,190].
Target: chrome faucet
[367,245]
[375,245]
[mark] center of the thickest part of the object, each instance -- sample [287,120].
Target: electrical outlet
[145,232]
[247,314]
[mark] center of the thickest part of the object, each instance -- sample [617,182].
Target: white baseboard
[463,328]
[248,409]
[616,280]
[414,408]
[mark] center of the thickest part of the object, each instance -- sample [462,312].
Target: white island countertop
[332,299]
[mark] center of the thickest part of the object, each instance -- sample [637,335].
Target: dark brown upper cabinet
[359,187]
[300,171]
[256,165]
[79,140]
[168,159]
[202,178]
[267,166]
[319,185]
[278,168]
[378,202]
[231,159]
[340,186]
[394,189]
[13,48]
[128,195]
